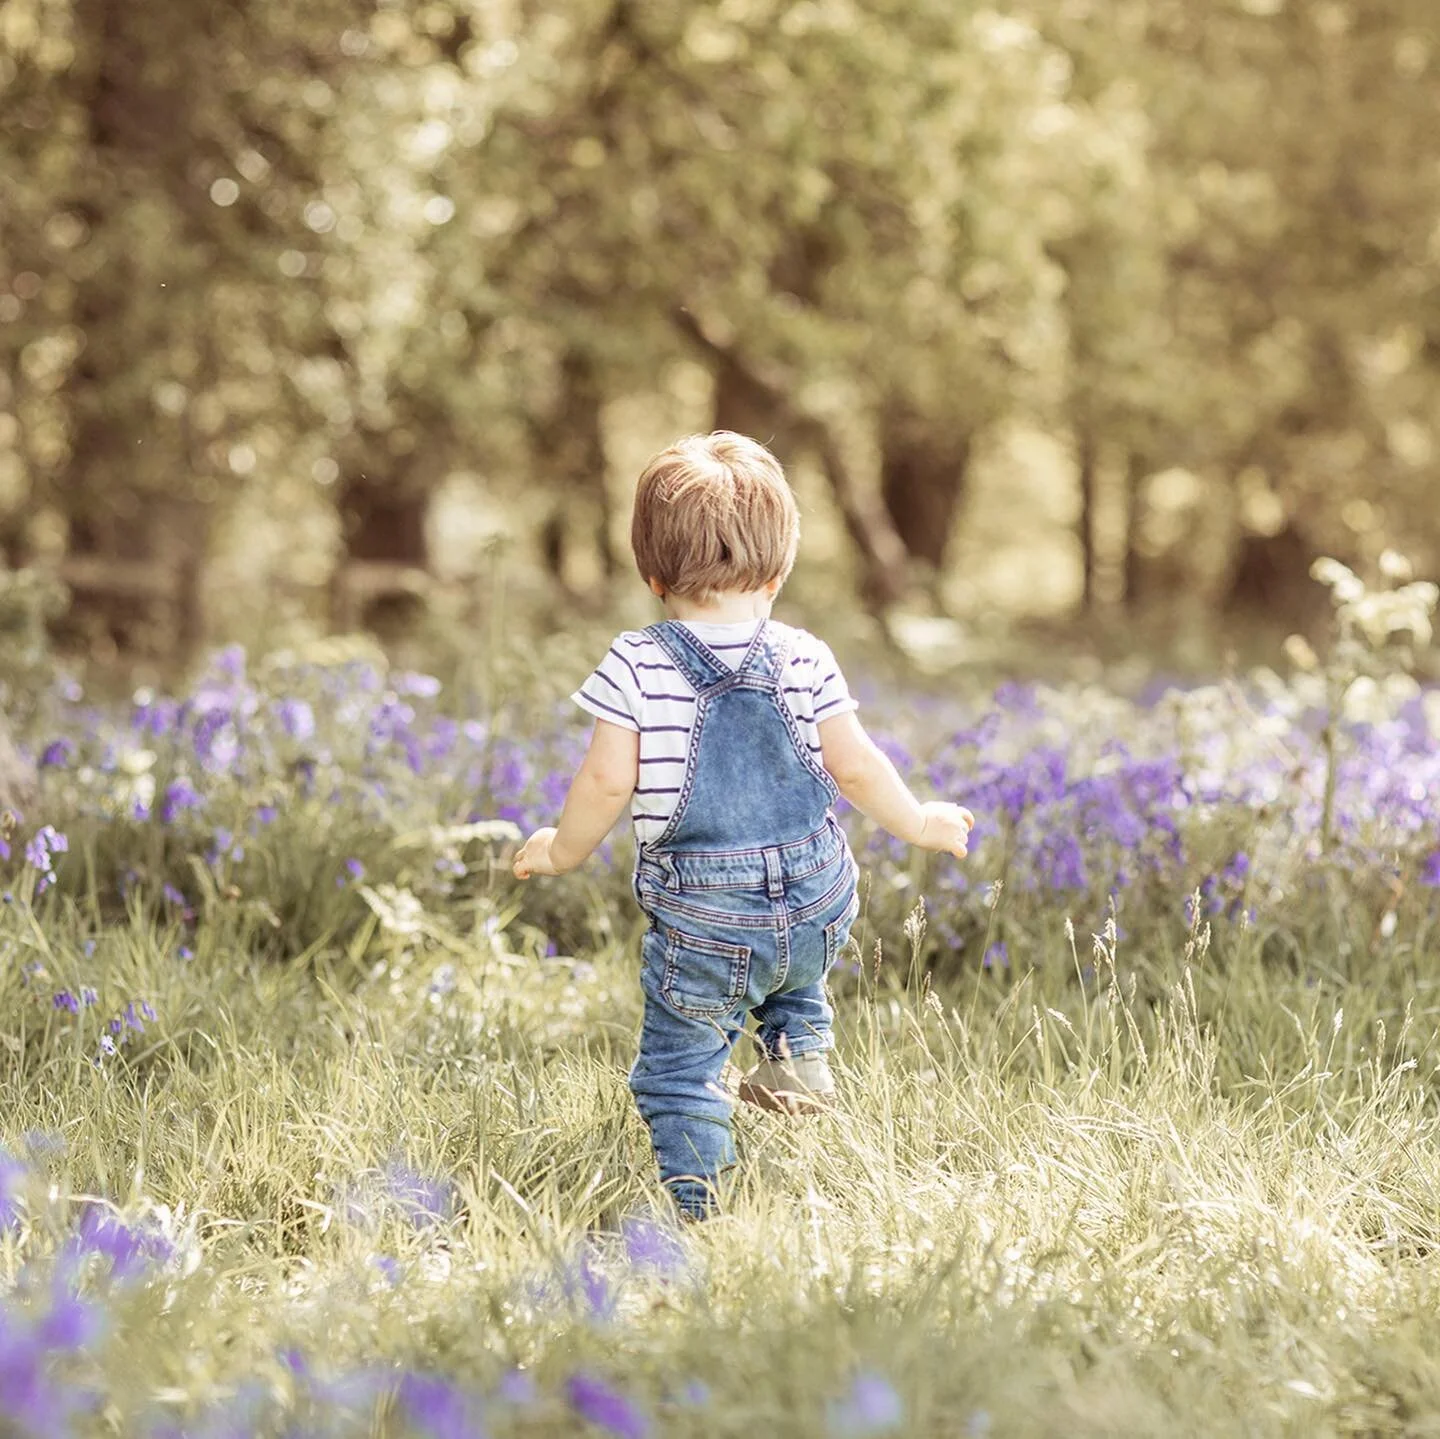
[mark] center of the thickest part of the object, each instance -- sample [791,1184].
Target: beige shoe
[799,1085]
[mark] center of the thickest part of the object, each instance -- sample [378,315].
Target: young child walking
[729,736]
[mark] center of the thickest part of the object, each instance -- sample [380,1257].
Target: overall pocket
[837,932]
[703,978]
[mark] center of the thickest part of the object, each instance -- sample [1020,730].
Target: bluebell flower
[871,1407]
[12,1176]
[517,1387]
[57,754]
[180,796]
[389,1267]
[649,1245]
[45,842]
[606,1407]
[438,1409]
[63,999]
[296,718]
[424,686]
[72,1323]
[424,1200]
[130,1250]
[1430,871]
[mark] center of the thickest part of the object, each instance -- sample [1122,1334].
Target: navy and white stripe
[638,687]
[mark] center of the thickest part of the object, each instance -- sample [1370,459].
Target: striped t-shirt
[638,687]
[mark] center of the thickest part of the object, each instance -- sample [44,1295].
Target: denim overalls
[750,892]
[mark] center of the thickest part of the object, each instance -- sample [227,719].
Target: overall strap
[694,659]
[769,653]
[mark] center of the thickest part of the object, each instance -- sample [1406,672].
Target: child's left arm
[598,796]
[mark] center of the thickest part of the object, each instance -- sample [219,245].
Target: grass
[1191,1194]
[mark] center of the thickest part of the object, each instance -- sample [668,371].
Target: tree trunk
[1271,582]
[1136,470]
[134,553]
[750,396]
[1087,461]
[923,466]
[749,407]
[382,582]
[570,453]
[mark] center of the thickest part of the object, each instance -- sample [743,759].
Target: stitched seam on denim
[782,944]
[802,750]
[664,906]
[746,853]
[737,954]
[687,786]
[744,881]
[811,910]
[690,665]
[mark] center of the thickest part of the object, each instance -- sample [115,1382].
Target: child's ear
[656,588]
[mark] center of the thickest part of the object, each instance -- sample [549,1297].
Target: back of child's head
[713,513]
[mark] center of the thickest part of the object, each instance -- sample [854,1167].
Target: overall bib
[750,893]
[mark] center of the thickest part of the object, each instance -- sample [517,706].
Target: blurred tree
[364,248]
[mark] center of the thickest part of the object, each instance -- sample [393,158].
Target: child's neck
[731,608]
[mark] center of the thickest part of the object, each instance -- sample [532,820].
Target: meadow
[313,1122]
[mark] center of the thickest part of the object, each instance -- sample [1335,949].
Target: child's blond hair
[714,513]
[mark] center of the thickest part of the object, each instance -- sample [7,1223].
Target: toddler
[729,736]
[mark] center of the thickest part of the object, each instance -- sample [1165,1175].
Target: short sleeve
[612,691]
[831,695]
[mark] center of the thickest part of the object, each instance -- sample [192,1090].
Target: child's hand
[946,828]
[534,855]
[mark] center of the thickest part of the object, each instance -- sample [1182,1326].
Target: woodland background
[319,315]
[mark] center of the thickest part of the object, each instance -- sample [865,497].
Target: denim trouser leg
[797,1018]
[795,1022]
[676,1083]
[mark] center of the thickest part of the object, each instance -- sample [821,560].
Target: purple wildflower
[997,956]
[438,1409]
[389,1268]
[45,842]
[57,754]
[73,1324]
[12,1175]
[129,1249]
[1430,871]
[871,1407]
[180,795]
[652,1246]
[424,1200]
[296,718]
[424,686]
[517,1387]
[606,1407]
[63,999]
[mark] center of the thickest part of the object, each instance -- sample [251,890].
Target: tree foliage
[364,248]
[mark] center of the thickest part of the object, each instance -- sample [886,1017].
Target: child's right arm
[864,775]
